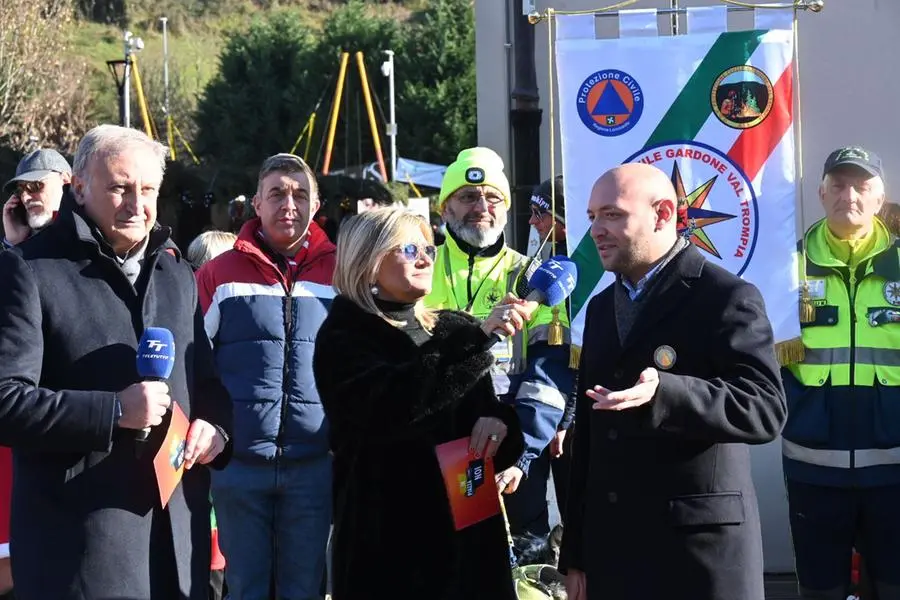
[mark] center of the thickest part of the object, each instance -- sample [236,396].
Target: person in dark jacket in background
[548,213]
[87,520]
[263,303]
[678,374]
[396,380]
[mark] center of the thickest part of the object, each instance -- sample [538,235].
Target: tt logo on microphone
[156,345]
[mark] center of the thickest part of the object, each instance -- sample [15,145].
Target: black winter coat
[83,504]
[661,501]
[390,403]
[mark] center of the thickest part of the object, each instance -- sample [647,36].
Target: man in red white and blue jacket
[263,302]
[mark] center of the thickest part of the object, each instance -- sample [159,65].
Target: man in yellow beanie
[474,271]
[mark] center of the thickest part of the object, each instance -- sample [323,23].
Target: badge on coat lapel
[892,292]
[815,287]
[664,357]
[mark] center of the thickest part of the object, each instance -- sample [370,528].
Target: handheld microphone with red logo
[155,359]
[551,283]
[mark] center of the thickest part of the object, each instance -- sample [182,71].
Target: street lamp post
[169,139]
[126,83]
[387,69]
[132,45]
[165,33]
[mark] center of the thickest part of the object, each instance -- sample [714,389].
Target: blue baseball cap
[37,165]
[857,157]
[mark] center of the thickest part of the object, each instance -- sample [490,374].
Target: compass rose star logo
[692,217]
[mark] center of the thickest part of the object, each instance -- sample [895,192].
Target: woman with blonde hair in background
[396,380]
[209,245]
[202,249]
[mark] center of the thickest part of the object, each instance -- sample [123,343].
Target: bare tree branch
[43,90]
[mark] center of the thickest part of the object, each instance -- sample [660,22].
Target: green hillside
[245,79]
[197,30]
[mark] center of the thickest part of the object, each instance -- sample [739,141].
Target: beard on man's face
[474,229]
[38,217]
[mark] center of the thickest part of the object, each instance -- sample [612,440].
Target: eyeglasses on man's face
[469,198]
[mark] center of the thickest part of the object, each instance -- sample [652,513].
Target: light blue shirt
[637,289]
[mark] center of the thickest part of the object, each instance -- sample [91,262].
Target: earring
[374,289]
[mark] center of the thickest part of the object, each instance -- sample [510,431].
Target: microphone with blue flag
[550,284]
[155,360]
[553,281]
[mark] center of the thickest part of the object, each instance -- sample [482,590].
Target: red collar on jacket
[316,247]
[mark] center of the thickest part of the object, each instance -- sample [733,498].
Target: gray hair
[209,245]
[289,163]
[363,242]
[111,140]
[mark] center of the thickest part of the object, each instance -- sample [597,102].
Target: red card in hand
[169,461]
[470,483]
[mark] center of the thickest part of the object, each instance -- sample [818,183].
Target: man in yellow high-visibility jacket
[473,272]
[841,444]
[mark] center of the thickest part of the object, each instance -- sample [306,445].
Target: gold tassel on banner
[574,356]
[555,335]
[790,352]
[807,308]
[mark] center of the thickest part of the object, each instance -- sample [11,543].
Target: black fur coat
[389,403]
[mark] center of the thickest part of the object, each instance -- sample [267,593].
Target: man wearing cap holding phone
[549,213]
[37,190]
[841,444]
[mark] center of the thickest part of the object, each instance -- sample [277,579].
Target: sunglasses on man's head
[412,252]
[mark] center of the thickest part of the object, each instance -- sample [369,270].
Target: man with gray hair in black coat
[87,519]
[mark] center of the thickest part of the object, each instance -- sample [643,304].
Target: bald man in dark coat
[678,374]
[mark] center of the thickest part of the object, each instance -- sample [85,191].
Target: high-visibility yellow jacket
[843,425]
[528,372]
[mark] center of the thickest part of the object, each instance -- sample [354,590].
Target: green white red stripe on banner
[688,117]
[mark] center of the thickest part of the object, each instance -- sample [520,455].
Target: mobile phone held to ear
[20,212]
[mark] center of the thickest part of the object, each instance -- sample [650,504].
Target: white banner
[714,111]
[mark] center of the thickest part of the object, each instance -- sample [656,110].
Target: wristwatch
[118,407]
[224,435]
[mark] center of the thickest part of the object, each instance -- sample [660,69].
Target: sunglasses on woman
[412,252]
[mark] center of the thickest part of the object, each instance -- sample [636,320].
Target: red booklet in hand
[469,482]
[169,461]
